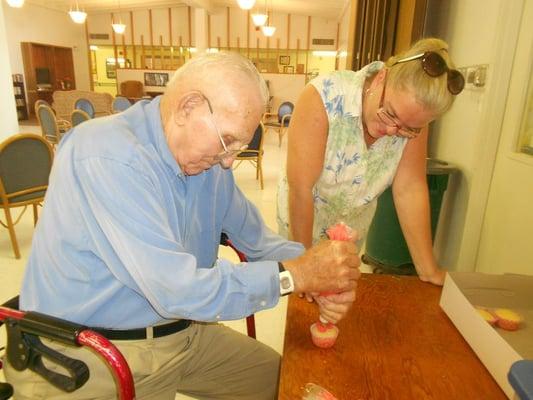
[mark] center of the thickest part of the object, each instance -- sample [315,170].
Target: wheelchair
[25,350]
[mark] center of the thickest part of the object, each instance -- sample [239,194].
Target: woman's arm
[308,133]
[411,198]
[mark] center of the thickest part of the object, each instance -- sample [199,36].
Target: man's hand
[334,307]
[330,266]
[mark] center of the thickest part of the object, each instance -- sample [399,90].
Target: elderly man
[127,244]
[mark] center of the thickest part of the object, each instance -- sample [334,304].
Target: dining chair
[279,121]
[40,102]
[52,128]
[120,104]
[132,89]
[254,153]
[25,164]
[85,105]
[78,116]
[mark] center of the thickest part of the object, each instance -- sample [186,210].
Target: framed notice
[288,69]
[155,79]
[284,60]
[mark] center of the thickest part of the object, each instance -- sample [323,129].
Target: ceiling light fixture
[15,3]
[118,27]
[246,4]
[77,15]
[259,19]
[269,30]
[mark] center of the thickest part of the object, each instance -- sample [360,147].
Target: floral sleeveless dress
[353,175]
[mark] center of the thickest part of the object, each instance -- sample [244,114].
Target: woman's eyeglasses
[434,65]
[391,121]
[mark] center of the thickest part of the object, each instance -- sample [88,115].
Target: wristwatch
[286,283]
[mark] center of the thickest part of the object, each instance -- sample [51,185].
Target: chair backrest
[120,104]
[285,108]
[78,116]
[40,102]
[132,89]
[85,105]
[25,164]
[48,122]
[257,140]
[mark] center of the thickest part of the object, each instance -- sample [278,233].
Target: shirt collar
[160,140]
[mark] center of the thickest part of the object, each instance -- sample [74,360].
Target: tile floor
[269,324]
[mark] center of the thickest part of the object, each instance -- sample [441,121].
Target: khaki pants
[205,361]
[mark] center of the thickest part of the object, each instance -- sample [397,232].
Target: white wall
[284,87]
[506,243]
[344,31]
[8,109]
[468,135]
[32,23]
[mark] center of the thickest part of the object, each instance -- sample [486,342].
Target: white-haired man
[127,244]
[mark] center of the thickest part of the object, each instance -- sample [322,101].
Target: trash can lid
[438,167]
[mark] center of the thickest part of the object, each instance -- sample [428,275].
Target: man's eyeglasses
[391,121]
[227,153]
[434,65]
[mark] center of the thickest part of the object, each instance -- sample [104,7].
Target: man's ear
[185,105]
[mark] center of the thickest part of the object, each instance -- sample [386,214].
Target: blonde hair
[431,92]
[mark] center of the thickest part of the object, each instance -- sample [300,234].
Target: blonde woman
[353,134]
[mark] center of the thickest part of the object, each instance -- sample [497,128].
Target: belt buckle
[149,332]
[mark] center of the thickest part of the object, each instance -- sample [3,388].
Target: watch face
[285,283]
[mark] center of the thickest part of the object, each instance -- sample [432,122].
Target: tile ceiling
[325,8]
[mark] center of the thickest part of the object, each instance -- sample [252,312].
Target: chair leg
[12,235]
[35,214]
[260,173]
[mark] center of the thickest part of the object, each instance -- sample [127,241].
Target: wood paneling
[60,64]
[375,31]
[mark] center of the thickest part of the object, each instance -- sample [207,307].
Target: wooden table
[396,343]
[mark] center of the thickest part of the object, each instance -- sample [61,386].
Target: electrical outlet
[475,76]
[480,75]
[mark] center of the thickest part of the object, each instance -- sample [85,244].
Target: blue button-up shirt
[126,240]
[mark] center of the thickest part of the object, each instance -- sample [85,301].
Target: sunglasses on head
[434,65]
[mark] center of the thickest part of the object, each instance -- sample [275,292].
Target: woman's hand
[435,277]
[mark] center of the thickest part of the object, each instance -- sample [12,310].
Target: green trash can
[386,249]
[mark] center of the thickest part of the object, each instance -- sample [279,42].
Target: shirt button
[263,303]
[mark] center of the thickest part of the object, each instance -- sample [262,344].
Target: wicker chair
[52,128]
[120,104]
[64,101]
[78,116]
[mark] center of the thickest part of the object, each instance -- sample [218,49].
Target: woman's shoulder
[334,78]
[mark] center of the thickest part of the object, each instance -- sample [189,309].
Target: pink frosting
[340,231]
